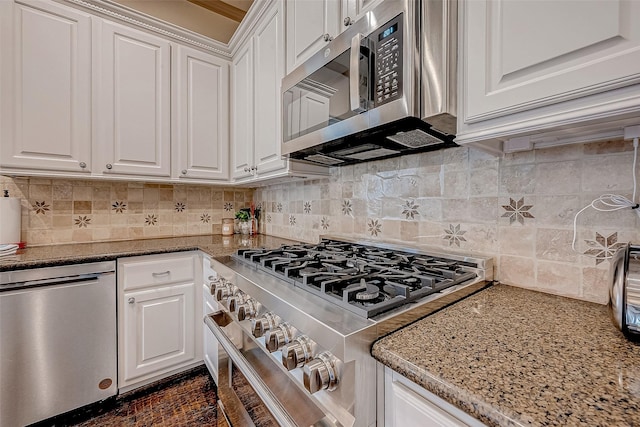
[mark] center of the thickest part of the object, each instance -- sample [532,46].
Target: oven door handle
[272,403]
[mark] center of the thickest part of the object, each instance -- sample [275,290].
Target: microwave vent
[414,139]
[325,160]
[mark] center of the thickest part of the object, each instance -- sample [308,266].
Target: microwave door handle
[354,74]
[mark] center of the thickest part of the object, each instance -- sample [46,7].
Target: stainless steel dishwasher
[57,340]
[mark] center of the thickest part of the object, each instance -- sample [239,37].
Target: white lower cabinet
[406,404]
[159,319]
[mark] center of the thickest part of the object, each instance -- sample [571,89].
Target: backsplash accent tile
[56,211]
[518,208]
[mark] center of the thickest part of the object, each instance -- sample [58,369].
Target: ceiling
[215,19]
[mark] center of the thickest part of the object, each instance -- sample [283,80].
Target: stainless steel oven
[295,325]
[384,87]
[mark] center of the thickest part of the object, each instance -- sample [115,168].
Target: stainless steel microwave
[384,87]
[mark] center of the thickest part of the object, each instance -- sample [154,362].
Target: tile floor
[186,400]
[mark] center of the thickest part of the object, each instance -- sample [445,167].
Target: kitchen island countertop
[510,356]
[53,255]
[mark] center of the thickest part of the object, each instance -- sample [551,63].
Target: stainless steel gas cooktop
[363,279]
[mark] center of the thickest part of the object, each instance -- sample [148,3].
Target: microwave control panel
[387,48]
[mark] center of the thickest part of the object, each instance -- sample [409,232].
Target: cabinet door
[134,101]
[521,55]
[159,331]
[307,24]
[269,64]
[242,124]
[201,115]
[45,87]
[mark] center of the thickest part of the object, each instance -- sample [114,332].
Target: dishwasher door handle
[91,277]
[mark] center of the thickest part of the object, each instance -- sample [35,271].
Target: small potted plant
[243,221]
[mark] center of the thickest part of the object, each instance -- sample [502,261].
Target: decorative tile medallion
[347,209]
[324,223]
[228,206]
[454,235]
[82,221]
[603,248]
[374,227]
[180,207]
[307,207]
[119,206]
[41,207]
[410,209]
[269,218]
[205,218]
[517,211]
[292,220]
[279,207]
[151,219]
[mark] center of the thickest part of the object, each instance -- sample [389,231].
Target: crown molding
[109,8]
[248,25]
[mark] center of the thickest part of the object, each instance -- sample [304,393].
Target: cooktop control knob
[235,300]
[277,337]
[263,324]
[297,353]
[248,310]
[223,290]
[321,373]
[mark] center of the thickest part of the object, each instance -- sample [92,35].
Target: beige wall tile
[517,271]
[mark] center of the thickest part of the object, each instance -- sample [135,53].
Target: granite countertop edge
[66,254]
[456,396]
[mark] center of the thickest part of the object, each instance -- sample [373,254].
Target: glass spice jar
[227,226]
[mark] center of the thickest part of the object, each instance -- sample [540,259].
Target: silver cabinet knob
[248,310]
[246,169]
[253,168]
[109,166]
[279,336]
[297,353]
[83,165]
[327,37]
[183,171]
[263,324]
[321,373]
[131,300]
[348,21]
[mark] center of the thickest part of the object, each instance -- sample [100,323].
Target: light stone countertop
[53,255]
[510,356]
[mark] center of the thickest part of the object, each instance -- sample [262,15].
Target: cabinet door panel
[269,72]
[158,329]
[307,23]
[528,54]
[46,97]
[202,115]
[136,101]
[242,112]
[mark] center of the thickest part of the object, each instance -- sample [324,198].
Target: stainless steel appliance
[297,323]
[57,340]
[624,302]
[384,87]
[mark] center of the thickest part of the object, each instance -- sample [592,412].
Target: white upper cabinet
[352,10]
[242,111]
[200,115]
[257,72]
[530,67]
[269,71]
[45,87]
[310,25]
[134,101]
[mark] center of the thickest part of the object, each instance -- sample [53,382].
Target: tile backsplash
[58,211]
[519,209]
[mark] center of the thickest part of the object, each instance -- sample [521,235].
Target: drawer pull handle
[131,300]
[164,273]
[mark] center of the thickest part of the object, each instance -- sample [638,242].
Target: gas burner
[364,279]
